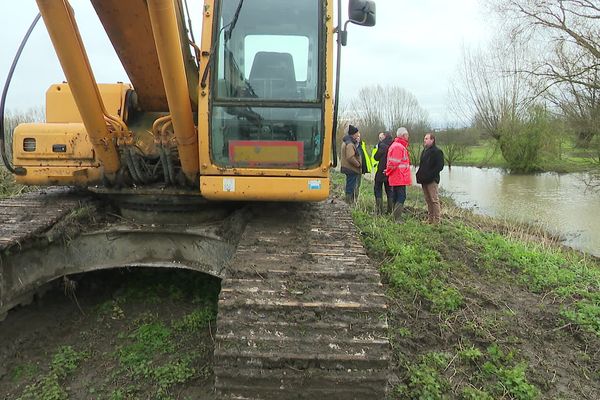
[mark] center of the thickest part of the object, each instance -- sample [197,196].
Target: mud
[97,313]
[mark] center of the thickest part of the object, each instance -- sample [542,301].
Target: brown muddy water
[559,203]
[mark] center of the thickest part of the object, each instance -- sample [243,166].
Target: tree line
[537,85]
[533,91]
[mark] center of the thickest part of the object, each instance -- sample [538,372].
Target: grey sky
[415,45]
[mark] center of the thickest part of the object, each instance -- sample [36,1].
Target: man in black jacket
[385,140]
[428,175]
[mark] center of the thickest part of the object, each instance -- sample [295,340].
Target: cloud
[415,45]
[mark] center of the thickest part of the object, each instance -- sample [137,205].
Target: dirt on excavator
[301,310]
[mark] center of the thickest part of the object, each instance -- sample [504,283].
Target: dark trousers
[378,189]
[399,194]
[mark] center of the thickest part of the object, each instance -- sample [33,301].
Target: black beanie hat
[352,130]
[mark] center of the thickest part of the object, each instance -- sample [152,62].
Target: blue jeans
[351,181]
[399,194]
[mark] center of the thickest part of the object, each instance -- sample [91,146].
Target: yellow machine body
[72,149]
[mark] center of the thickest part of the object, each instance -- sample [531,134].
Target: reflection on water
[558,202]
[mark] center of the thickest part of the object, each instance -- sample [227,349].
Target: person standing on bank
[366,162]
[428,175]
[398,171]
[381,180]
[351,162]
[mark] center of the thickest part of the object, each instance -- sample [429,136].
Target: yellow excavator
[191,149]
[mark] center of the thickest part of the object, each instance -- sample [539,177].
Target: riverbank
[488,155]
[479,309]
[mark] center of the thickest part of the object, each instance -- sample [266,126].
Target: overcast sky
[415,45]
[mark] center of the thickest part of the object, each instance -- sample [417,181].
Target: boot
[390,204]
[397,213]
[349,198]
[379,204]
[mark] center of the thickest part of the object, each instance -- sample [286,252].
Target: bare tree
[570,29]
[489,90]
[379,108]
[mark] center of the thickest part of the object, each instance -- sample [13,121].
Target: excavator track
[25,216]
[302,314]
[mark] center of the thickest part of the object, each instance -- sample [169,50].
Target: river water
[560,203]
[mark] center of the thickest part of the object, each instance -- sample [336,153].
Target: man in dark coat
[381,180]
[428,175]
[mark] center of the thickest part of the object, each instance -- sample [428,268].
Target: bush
[521,140]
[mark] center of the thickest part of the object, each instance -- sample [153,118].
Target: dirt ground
[100,339]
[96,337]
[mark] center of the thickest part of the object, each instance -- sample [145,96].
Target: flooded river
[558,202]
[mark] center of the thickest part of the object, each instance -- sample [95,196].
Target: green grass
[49,386]
[568,276]
[413,266]
[428,271]
[8,186]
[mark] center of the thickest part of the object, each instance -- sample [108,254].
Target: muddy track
[301,311]
[30,214]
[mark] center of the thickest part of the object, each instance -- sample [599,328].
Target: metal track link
[302,313]
[24,216]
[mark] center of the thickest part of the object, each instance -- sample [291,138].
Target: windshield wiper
[229,27]
[234,20]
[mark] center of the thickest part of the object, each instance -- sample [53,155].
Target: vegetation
[483,310]
[149,353]
[8,187]
[534,88]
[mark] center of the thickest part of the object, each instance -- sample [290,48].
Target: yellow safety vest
[368,162]
[374,162]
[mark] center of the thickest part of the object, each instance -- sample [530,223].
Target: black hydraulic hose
[337,86]
[163,163]
[131,166]
[138,167]
[187,11]
[170,166]
[5,92]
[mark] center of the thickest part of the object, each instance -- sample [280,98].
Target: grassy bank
[488,154]
[483,310]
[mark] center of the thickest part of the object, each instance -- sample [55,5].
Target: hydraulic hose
[5,92]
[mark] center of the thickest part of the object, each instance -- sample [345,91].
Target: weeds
[494,374]
[413,266]
[64,362]
[24,371]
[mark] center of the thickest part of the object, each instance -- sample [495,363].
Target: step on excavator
[215,158]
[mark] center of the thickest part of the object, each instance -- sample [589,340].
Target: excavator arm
[129,29]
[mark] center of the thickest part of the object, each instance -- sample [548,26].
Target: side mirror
[362,12]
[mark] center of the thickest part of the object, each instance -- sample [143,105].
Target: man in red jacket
[398,171]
